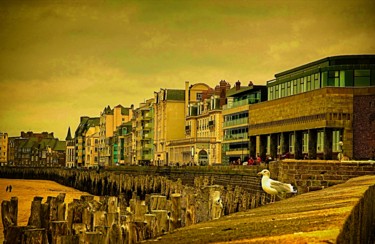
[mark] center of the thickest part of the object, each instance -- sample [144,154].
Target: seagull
[274,187]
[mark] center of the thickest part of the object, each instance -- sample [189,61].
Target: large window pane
[362,77]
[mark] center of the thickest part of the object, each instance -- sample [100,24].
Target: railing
[240,136]
[241,103]
[236,122]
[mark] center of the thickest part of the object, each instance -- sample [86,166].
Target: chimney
[238,85]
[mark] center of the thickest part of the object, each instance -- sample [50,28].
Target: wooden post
[115,234]
[151,225]
[9,211]
[158,202]
[162,221]
[58,228]
[38,235]
[175,212]
[36,213]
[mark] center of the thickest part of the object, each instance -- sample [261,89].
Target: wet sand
[26,190]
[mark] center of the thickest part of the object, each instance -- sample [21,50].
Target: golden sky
[62,59]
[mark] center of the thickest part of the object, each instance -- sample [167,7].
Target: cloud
[60,60]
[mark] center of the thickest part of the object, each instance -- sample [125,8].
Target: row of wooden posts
[114,219]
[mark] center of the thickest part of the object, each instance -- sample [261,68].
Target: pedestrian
[259,160]
[10,188]
[250,161]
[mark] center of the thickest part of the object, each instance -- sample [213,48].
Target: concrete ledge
[344,213]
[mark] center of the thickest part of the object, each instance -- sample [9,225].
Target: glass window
[270,93]
[317,81]
[268,149]
[308,83]
[335,141]
[282,90]
[302,82]
[305,142]
[362,77]
[298,86]
[288,88]
[294,91]
[320,141]
[291,143]
[276,94]
[342,78]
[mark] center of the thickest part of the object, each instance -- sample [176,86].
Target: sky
[61,59]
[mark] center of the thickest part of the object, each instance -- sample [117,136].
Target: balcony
[236,122]
[240,136]
[241,103]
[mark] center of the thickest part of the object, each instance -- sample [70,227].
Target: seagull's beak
[259,173]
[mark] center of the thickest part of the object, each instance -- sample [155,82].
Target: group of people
[249,161]
[9,188]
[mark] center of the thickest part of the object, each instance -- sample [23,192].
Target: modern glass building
[338,71]
[320,110]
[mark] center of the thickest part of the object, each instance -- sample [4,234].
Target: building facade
[3,149]
[37,150]
[119,144]
[203,126]
[110,119]
[169,122]
[144,132]
[321,110]
[236,118]
[70,150]
[84,134]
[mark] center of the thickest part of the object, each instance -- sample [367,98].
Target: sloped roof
[59,146]
[69,135]
[84,126]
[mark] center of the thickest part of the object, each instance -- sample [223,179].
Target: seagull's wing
[280,187]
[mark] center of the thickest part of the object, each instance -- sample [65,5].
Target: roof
[244,90]
[86,124]
[59,146]
[69,135]
[334,60]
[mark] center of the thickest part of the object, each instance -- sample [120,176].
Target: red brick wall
[364,126]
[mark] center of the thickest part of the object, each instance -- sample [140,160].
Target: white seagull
[274,187]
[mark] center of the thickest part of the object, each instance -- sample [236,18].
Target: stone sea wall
[172,197]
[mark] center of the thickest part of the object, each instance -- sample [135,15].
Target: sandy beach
[26,190]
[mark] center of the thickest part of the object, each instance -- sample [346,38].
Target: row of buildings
[32,150]
[320,110]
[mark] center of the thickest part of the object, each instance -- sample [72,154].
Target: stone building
[203,126]
[37,150]
[86,131]
[169,122]
[324,109]
[70,150]
[3,148]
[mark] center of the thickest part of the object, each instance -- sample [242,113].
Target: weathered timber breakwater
[145,206]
